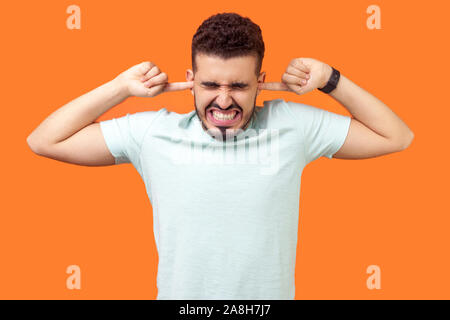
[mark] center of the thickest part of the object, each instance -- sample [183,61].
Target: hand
[314,72]
[146,80]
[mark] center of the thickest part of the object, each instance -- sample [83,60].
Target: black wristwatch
[332,82]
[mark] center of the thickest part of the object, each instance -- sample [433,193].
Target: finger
[155,90]
[151,73]
[274,86]
[290,79]
[159,79]
[178,86]
[145,66]
[297,63]
[297,72]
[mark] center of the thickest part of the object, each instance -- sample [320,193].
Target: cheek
[204,98]
[245,100]
[242,97]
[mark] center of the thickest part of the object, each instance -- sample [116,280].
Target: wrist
[327,71]
[121,87]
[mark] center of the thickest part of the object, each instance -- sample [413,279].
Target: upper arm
[107,142]
[86,147]
[362,142]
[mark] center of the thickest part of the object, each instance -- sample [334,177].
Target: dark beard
[223,130]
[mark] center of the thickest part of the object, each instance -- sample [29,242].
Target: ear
[190,77]
[261,79]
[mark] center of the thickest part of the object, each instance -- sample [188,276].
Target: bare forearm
[369,110]
[78,113]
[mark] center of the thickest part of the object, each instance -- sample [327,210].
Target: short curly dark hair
[228,35]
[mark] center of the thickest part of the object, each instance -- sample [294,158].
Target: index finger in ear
[178,86]
[274,86]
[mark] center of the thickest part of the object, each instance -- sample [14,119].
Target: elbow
[34,146]
[31,144]
[407,141]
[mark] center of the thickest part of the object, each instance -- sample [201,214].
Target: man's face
[225,92]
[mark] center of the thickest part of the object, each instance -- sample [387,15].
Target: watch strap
[332,82]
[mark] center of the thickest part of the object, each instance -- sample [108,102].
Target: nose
[224,99]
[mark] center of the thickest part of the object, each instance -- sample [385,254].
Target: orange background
[391,211]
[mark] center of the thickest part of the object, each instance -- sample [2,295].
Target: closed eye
[214,86]
[211,86]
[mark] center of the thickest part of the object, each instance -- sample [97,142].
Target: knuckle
[145,66]
[291,70]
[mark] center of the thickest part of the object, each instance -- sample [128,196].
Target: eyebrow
[234,84]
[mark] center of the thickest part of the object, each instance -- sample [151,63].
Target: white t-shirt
[226,214]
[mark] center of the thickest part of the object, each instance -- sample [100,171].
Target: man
[223,179]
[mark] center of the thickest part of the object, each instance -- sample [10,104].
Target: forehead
[213,68]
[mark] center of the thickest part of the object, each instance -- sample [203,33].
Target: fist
[302,75]
[147,80]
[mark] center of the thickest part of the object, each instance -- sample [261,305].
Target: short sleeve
[124,136]
[324,132]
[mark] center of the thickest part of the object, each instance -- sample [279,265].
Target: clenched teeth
[220,116]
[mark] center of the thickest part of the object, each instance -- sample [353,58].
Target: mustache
[215,105]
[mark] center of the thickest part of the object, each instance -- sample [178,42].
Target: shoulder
[281,112]
[282,108]
[137,124]
[164,121]
[145,116]
[144,119]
